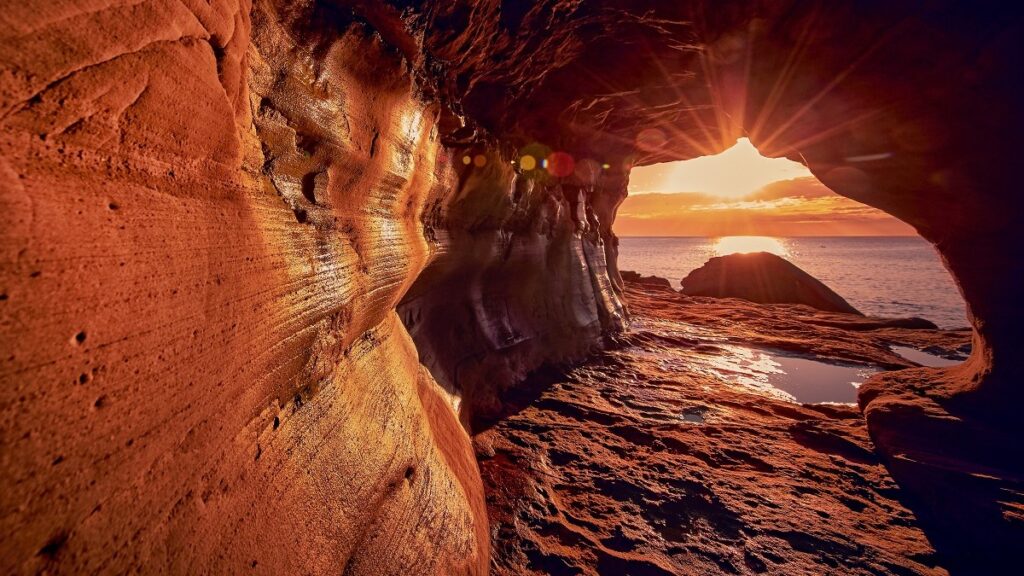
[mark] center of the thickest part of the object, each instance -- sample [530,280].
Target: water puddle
[766,371]
[693,415]
[792,378]
[815,382]
[924,358]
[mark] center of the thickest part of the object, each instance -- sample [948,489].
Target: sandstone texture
[263,263]
[646,460]
[764,278]
[210,212]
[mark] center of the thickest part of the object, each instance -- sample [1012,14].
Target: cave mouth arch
[924,162]
[741,201]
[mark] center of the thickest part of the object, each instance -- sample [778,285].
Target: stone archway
[916,119]
[908,108]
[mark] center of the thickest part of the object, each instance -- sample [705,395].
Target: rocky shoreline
[640,462]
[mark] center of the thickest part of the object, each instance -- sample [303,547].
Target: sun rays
[716,102]
[739,171]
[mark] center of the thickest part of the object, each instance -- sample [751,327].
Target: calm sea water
[887,277]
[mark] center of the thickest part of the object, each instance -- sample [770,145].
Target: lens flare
[532,156]
[560,164]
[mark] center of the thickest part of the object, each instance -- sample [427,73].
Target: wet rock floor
[652,459]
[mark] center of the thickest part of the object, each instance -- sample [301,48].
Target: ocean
[880,276]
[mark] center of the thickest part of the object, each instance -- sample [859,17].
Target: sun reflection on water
[746,244]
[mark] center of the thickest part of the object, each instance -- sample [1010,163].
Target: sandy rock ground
[645,461]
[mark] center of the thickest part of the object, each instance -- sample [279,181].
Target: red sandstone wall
[210,214]
[203,370]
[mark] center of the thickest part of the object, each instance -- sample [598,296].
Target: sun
[734,173]
[746,244]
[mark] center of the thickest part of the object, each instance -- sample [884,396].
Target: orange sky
[740,192]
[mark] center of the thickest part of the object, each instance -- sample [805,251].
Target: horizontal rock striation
[210,216]
[210,213]
[230,232]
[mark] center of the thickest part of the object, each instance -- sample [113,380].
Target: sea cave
[334,286]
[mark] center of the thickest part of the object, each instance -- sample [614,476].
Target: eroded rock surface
[210,212]
[644,460]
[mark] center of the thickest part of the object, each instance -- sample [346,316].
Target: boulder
[649,281]
[764,278]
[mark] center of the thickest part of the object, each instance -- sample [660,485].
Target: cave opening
[680,215]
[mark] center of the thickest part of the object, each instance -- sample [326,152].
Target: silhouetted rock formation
[232,230]
[764,278]
[652,281]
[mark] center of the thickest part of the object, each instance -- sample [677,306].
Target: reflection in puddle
[812,381]
[924,358]
[766,371]
[790,377]
[693,415]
